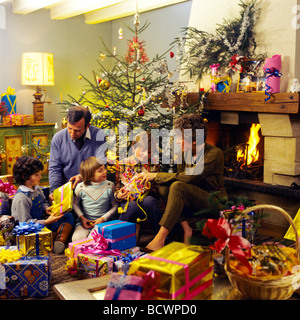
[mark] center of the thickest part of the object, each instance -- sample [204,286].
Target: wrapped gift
[74,248]
[93,265]
[132,184]
[33,239]
[9,120]
[24,119]
[185,272]
[7,224]
[122,287]
[119,234]
[62,199]
[26,277]
[10,99]
[272,68]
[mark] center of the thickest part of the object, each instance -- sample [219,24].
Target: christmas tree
[133,90]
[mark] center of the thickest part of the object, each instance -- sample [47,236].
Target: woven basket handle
[274,208]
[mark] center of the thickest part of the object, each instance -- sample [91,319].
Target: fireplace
[230,117]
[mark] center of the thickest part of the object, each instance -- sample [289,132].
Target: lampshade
[37,69]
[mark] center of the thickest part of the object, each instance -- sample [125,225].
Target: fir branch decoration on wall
[232,37]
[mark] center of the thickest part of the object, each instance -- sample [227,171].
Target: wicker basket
[276,289]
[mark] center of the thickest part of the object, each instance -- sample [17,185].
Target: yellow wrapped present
[182,272]
[62,199]
[24,119]
[9,120]
[33,239]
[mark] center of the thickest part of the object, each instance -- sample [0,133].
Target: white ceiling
[95,11]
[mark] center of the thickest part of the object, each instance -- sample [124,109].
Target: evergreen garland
[232,37]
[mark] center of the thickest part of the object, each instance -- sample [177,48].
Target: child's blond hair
[88,167]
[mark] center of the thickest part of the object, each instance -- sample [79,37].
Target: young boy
[29,202]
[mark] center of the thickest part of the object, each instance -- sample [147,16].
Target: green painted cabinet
[14,138]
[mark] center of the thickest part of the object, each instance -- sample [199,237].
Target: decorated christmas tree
[135,89]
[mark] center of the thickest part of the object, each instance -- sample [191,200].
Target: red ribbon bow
[151,285]
[234,64]
[222,230]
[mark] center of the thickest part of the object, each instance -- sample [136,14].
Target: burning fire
[250,154]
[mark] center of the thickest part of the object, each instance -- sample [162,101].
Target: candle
[61,99]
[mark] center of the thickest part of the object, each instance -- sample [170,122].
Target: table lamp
[37,70]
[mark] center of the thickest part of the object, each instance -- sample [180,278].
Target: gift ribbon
[57,205]
[25,228]
[188,284]
[8,255]
[222,230]
[122,285]
[272,73]
[7,187]
[99,246]
[71,262]
[151,285]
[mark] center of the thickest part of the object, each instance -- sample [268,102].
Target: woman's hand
[146,177]
[122,194]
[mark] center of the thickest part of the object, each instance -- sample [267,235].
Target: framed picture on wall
[253,78]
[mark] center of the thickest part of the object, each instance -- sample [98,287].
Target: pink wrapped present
[122,287]
[272,68]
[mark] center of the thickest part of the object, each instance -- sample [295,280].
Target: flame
[253,152]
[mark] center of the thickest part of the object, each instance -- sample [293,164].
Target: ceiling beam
[125,9]
[28,6]
[71,8]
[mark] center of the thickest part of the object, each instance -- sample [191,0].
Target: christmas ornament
[79,77]
[171,54]
[104,84]
[102,56]
[121,34]
[141,112]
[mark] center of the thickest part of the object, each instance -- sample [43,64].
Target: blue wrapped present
[10,100]
[26,277]
[120,234]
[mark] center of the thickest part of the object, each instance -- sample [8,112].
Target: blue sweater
[65,158]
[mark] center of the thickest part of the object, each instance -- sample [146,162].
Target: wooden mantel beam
[287,103]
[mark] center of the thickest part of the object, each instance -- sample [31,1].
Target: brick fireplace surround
[279,118]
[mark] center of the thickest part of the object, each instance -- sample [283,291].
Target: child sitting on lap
[29,202]
[94,201]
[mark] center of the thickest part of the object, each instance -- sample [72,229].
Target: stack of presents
[11,117]
[177,271]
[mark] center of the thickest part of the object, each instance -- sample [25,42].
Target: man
[72,145]
[69,147]
[191,187]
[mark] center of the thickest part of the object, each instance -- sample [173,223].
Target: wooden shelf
[285,103]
